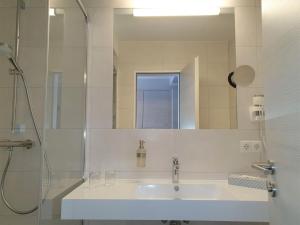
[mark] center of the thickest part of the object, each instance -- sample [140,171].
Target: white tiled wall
[22,184]
[281,50]
[202,153]
[248,37]
[106,146]
[100,68]
[216,151]
[101,153]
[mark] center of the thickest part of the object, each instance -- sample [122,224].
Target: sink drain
[176,188]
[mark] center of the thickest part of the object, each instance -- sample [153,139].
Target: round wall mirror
[242,76]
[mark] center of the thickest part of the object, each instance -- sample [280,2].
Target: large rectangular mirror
[171,72]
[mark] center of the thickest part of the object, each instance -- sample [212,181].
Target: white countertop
[209,200]
[51,207]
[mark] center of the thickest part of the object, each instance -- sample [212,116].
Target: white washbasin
[179,191]
[203,200]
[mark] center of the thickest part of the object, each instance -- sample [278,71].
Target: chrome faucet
[175,170]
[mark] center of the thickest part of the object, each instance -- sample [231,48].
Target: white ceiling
[198,28]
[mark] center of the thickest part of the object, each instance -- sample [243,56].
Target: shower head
[6,50]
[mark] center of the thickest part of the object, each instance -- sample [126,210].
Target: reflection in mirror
[66,90]
[198,52]
[67,65]
[157,100]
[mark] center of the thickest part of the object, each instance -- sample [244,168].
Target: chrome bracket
[267,167]
[14,72]
[272,189]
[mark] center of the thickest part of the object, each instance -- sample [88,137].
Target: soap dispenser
[141,155]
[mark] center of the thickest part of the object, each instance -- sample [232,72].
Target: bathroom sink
[162,200]
[178,191]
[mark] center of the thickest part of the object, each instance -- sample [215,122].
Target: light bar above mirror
[208,11]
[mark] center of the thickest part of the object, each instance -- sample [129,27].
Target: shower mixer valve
[28,144]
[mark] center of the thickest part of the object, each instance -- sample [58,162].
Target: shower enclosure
[64,126]
[43,72]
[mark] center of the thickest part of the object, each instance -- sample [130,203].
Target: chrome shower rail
[14,144]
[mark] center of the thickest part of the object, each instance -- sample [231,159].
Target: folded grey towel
[247,181]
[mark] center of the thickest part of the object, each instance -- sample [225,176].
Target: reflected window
[157,100]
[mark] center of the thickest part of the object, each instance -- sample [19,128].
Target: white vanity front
[207,200]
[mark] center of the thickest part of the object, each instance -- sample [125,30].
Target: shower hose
[10,152]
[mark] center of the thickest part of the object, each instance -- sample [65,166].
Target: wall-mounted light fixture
[177,12]
[146,8]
